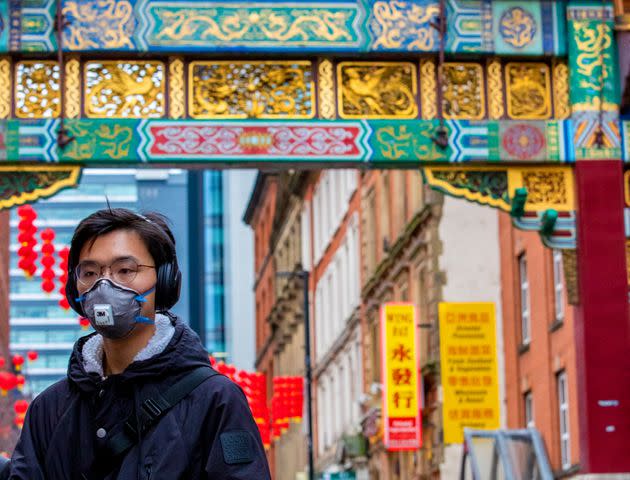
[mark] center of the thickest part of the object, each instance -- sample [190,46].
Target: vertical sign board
[469,371]
[399,368]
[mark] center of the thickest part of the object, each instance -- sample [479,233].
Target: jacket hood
[183,353]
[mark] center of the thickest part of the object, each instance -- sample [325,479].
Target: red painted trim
[602,327]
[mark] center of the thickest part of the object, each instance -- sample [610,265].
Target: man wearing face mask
[140,400]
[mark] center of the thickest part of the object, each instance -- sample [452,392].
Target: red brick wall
[549,351]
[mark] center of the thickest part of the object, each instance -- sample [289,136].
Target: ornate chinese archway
[478,94]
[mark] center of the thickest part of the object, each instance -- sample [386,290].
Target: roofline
[254,198]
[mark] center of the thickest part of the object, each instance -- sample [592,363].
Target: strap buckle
[152,408]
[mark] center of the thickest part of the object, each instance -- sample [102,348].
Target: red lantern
[48,274]
[19,422]
[63,278]
[48,261]
[32,355]
[20,381]
[26,238]
[48,286]
[18,361]
[8,381]
[84,322]
[20,407]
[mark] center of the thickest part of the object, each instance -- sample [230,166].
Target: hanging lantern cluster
[254,386]
[48,260]
[286,403]
[8,381]
[18,361]
[27,240]
[20,407]
[63,278]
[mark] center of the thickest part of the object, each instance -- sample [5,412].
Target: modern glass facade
[214,292]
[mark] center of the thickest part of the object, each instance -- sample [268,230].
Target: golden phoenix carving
[528,89]
[241,89]
[124,89]
[377,90]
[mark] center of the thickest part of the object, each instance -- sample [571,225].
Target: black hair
[152,228]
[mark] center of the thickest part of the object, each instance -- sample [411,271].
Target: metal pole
[307,365]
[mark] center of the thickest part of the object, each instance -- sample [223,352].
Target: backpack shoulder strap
[154,408]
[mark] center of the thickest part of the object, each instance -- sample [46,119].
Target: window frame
[563,411]
[525,301]
[528,409]
[558,286]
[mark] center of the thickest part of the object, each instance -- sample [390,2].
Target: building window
[558,285]
[375,350]
[528,400]
[370,235]
[563,406]
[525,312]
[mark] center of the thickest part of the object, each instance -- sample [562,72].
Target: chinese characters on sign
[469,368]
[401,405]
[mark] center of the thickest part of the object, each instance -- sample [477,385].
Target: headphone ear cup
[169,280]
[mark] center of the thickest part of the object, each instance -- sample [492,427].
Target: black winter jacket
[59,439]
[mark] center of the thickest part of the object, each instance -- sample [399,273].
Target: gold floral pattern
[561,91]
[427,89]
[546,187]
[176,88]
[282,89]
[495,90]
[37,92]
[5,91]
[72,98]
[326,93]
[463,91]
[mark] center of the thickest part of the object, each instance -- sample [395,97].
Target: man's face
[123,244]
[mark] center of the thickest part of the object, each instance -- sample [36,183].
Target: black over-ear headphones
[167,289]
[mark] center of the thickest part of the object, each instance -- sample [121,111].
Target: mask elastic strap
[80,299]
[141,297]
[144,320]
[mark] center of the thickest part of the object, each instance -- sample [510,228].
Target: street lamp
[304,275]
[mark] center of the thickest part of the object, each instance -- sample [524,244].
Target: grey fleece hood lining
[92,351]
